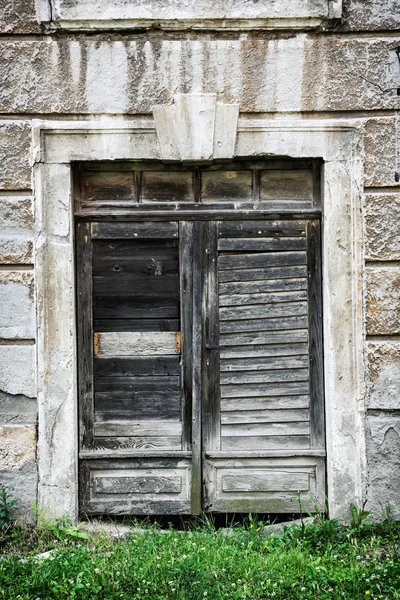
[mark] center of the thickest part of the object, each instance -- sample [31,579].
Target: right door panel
[263,408]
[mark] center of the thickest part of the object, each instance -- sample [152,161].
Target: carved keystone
[196,127]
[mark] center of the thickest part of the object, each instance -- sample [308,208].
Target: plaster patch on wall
[17,445]
[107,78]
[18,370]
[384,375]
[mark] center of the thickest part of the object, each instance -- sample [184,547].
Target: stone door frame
[57,145]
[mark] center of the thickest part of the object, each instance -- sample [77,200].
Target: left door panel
[135,447]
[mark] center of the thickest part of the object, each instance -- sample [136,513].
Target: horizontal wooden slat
[258,261]
[140,406]
[169,186]
[265,363]
[145,366]
[265,389]
[148,287]
[244,229]
[265,481]
[103,325]
[277,244]
[265,442]
[138,428]
[135,250]
[107,186]
[232,185]
[271,298]
[119,268]
[264,416]
[139,484]
[293,339]
[158,230]
[136,343]
[256,266]
[244,377]
[126,453]
[165,442]
[135,308]
[256,351]
[268,403]
[244,430]
[286,309]
[281,279]
[280,323]
[129,387]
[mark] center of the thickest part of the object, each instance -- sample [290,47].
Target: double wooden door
[200,366]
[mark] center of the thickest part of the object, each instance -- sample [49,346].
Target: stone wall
[345,68]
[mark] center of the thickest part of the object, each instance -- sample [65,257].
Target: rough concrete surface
[18,16]
[17,315]
[383,454]
[22,484]
[379,15]
[301,72]
[17,409]
[15,141]
[383,375]
[382,237]
[383,300]
[381,158]
[18,369]
[16,235]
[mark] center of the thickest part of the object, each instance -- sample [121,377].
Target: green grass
[313,562]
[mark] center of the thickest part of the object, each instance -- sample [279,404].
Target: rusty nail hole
[117,268]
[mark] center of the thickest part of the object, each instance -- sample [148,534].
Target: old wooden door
[200,366]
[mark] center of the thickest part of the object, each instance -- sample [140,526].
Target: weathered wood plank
[286,309]
[256,229]
[85,333]
[282,184]
[134,343]
[283,388]
[102,325]
[288,278]
[265,481]
[254,351]
[232,185]
[265,363]
[135,308]
[264,416]
[268,403]
[280,323]
[135,250]
[139,484]
[270,298]
[145,366]
[258,261]
[273,244]
[296,341]
[244,430]
[244,377]
[147,287]
[186,314]
[167,186]
[148,429]
[107,186]
[132,385]
[114,443]
[258,274]
[153,404]
[265,442]
[119,268]
[126,230]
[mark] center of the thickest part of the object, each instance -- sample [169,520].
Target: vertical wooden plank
[317,404]
[196,493]
[186,316]
[85,333]
[137,186]
[256,185]
[197,174]
[211,360]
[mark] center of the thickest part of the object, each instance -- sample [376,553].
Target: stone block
[382,237]
[18,470]
[383,459]
[18,369]
[383,375]
[18,16]
[17,315]
[15,144]
[301,72]
[17,409]
[370,15]
[383,300]
[16,235]
[381,160]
